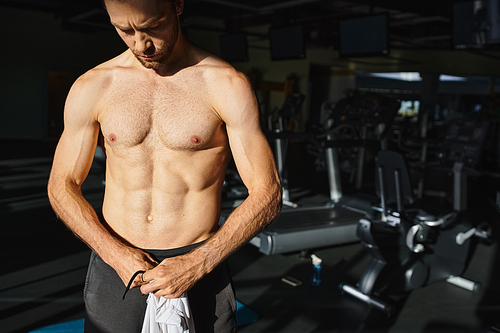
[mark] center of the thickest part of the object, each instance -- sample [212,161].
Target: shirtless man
[171,115]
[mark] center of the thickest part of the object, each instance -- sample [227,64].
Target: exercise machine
[357,123]
[301,227]
[408,246]
[333,223]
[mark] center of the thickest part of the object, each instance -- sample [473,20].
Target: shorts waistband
[159,255]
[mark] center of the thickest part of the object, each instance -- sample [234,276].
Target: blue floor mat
[75,326]
[244,316]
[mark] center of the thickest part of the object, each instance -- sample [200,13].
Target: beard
[161,55]
[161,58]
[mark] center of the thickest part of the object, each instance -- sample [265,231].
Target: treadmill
[300,228]
[304,228]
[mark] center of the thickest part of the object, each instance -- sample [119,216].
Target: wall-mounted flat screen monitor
[287,43]
[234,47]
[476,23]
[364,36]
[409,108]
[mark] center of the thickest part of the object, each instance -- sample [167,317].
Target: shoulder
[92,81]
[222,73]
[84,95]
[102,75]
[224,83]
[229,91]
[89,90]
[215,71]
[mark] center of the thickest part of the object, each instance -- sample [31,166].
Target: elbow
[57,188]
[52,188]
[279,200]
[276,201]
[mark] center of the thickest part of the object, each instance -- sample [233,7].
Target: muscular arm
[237,107]
[255,165]
[72,162]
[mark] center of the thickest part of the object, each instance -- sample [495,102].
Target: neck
[179,59]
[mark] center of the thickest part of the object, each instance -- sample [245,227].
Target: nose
[142,42]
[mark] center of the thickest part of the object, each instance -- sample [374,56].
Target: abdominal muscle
[164,210]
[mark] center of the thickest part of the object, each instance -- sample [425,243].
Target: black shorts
[211,299]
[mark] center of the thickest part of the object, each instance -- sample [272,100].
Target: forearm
[258,210]
[79,216]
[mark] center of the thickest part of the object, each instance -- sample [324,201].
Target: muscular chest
[167,115]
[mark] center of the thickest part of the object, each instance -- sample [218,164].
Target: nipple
[150,218]
[195,139]
[112,137]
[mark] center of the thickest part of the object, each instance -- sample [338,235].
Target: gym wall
[34,44]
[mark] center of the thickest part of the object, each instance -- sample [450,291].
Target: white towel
[168,315]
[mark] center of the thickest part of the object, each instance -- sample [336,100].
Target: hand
[131,261]
[173,276]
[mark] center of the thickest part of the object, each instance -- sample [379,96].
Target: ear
[179,6]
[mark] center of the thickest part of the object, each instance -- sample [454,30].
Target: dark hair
[103,2]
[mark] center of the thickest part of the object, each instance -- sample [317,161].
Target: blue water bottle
[316,271]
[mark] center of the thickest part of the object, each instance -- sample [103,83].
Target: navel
[195,139]
[112,137]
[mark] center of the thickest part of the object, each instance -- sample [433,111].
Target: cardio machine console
[464,142]
[365,109]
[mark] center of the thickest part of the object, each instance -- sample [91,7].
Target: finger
[150,285]
[149,288]
[165,294]
[132,282]
[146,279]
[143,278]
[137,282]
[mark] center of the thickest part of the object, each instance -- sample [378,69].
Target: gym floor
[43,270]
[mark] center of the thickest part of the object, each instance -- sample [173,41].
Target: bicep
[252,156]
[75,150]
[249,146]
[74,153]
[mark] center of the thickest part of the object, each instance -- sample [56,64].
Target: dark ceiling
[421,24]
[413,24]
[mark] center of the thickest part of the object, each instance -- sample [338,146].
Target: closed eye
[155,27]
[123,29]
[127,31]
